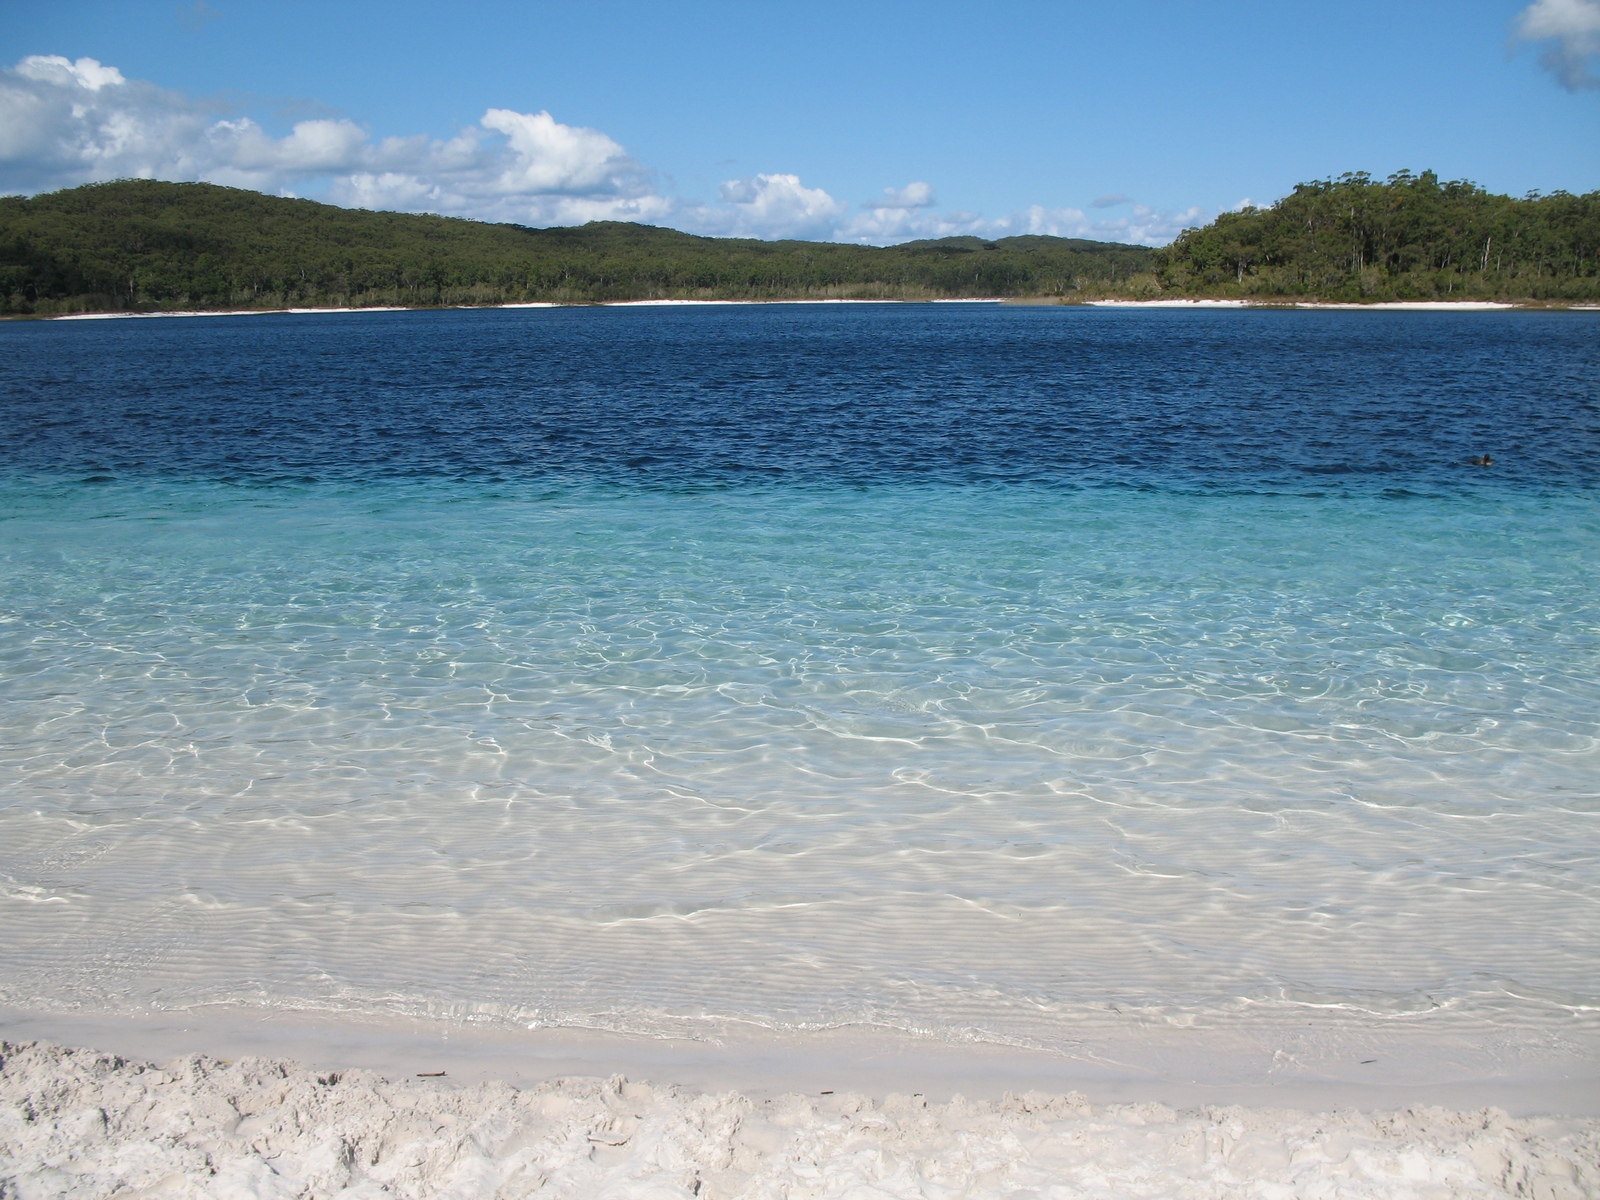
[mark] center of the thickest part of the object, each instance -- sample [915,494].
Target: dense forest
[143,245]
[1409,237]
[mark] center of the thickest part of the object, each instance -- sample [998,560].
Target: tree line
[145,245]
[1408,237]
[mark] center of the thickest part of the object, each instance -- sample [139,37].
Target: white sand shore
[267,312]
[1169,304]
[1381,306]
[237,312]
[700,303]
[80,1123]
[681,303]
[1375,306]
[1315,1061]
[1417,306]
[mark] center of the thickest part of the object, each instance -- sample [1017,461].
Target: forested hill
[142,245]
[1409,237]
[146,245]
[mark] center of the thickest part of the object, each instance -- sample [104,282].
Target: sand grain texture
[79,1123]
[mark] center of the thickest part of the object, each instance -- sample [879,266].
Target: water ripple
[615,753]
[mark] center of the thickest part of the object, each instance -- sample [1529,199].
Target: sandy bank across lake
[1026,301]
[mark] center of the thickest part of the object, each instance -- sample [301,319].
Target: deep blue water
[966,669]
[783,394]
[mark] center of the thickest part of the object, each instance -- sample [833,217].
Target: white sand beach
[1169,303]
[702,303]
[233,312]
[297,1105]
[81,1123]
[1384,306]
[1419,305]
[1373,306]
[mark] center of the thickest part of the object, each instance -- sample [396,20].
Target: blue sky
[853,121]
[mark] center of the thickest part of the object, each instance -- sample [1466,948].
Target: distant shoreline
[1179,303]
[145,245]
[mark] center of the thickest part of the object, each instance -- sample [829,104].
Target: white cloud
[767,206]
[85,73]
[548,156]
[913,195]
[1571,31]
[243,150]
[899,215]
[1143,225]
[64,123]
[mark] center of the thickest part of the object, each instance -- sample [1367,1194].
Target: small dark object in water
[1483,460]
[429,1074]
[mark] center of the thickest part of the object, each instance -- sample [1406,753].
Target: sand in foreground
[81,1123]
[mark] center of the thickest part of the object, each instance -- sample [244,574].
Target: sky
[864,122]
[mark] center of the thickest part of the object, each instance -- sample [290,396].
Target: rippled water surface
[962,669]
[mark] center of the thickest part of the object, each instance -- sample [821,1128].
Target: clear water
[964,670]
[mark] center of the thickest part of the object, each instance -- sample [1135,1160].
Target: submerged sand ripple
[80,1123]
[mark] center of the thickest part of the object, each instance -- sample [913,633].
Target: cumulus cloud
[66,122]
[764,206]
[1142,225]
[899,215]
[85,73]
[910,213]
[913,195]
[1570,31]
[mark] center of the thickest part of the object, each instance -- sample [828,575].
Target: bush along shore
[149,246]
[1409,237]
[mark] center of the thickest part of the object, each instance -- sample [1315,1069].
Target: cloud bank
[63,123]
[1570,33]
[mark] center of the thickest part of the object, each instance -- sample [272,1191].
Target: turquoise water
[971,758]
[957,760]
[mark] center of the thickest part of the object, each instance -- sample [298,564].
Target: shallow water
[965,671]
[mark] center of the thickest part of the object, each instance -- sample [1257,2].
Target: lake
[964,670]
